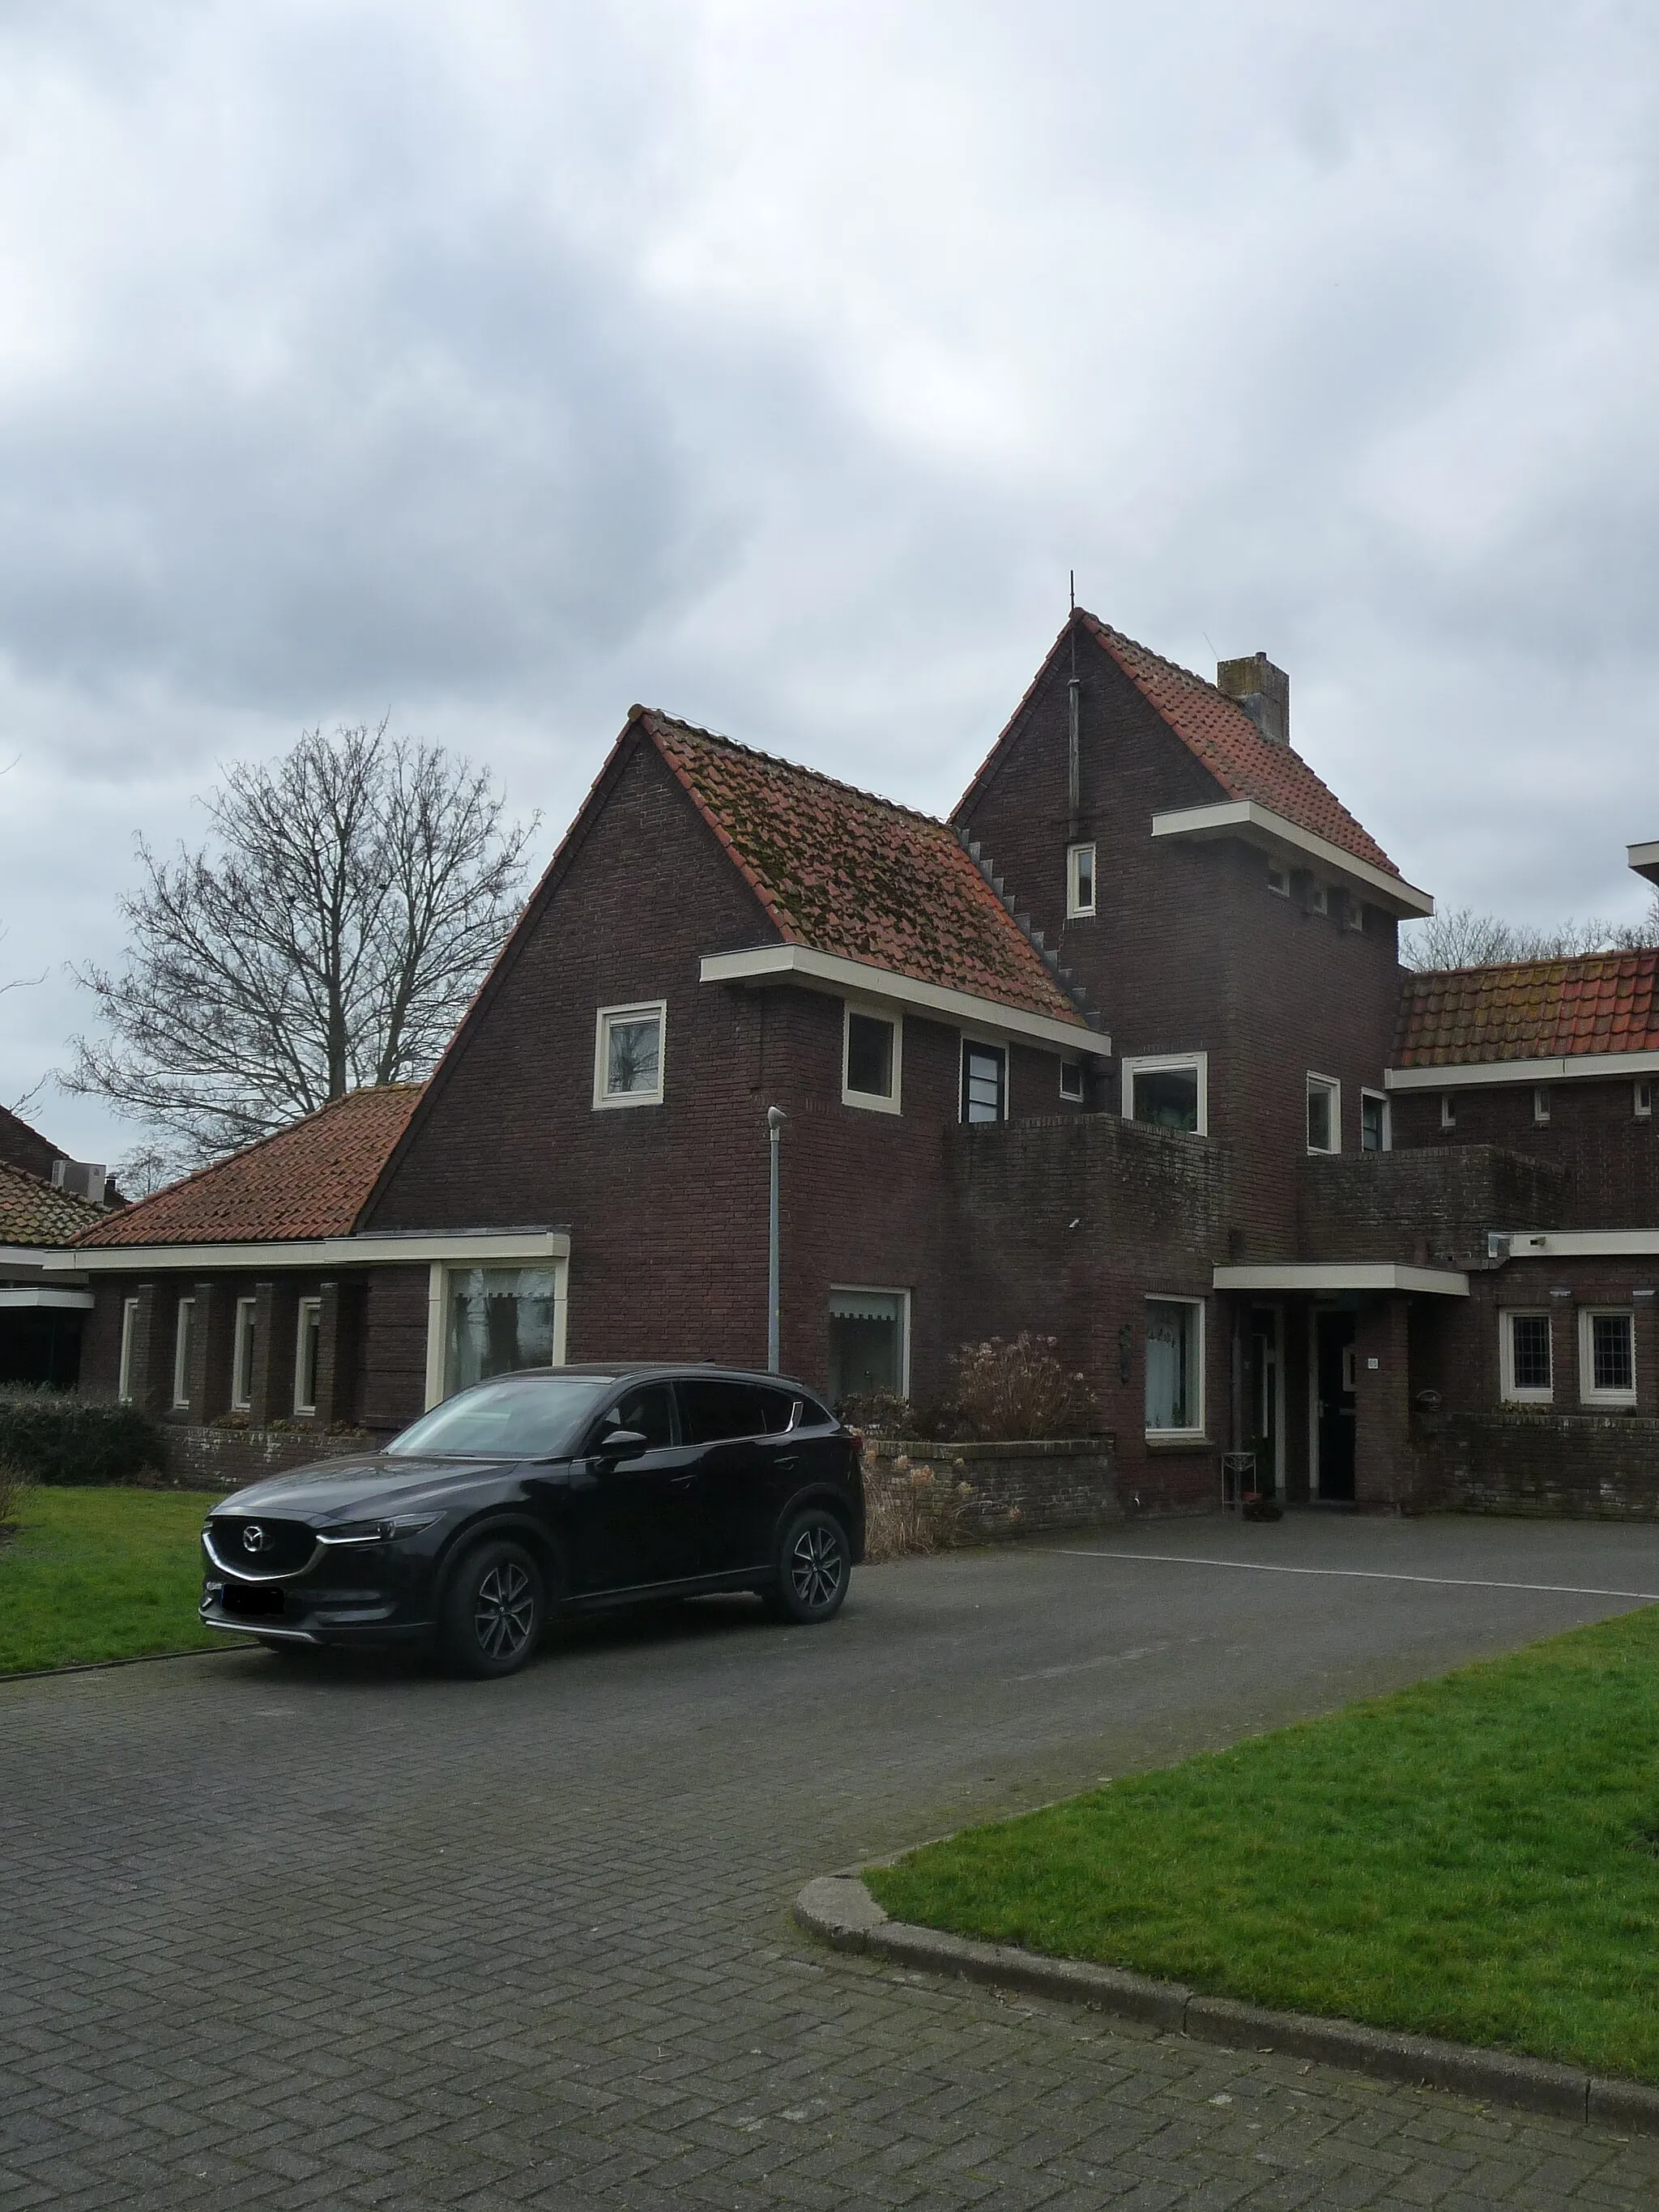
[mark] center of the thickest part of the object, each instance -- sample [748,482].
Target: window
[870,1064]
[1643,1102]
[1523,1345]
[1353,912]
[181,1335]
[1172,1092]
[648,1409]
[984,1082]
[129,1334]
[1376,1134]
[712,1410]
[1175,1367]
[307,1342]
[1071,1080]
[1540,1106]
[869,1343]
[1279,878]
[1607,1358]
[1313,895]
[1079,881]
[628,1055]
[498,1320]
[241,1363]
[1448,1111]
[1324,1113]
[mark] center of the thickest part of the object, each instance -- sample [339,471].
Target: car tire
[495,1609]
[814,1565]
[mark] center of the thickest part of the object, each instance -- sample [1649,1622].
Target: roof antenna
[1073,751]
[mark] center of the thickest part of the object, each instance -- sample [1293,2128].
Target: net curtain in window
[1170,1364]
[500,1319]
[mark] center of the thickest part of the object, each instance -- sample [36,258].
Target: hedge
[52,1436]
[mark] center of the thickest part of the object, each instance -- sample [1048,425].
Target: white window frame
[885,1291]
[1076,909]
[1588,1394]
[638,1011]
[1382,1100]
[1641,1099]
[1278,879]
[1509,1390]
[870,1101]
[1169,1063]
[1188,1435]
[241,1355]
[1540,1106]
[1448,1111]
[1331,1084]
[1078,1092]
[181,1333]
[437,1308]
[305,1308]
[1319,900]
[128,1331]
[985,1044]
[1353,913]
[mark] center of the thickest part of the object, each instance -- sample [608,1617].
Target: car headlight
[376,1532]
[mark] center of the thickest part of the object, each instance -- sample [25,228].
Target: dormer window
[1080,882]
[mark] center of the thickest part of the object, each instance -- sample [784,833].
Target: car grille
[282,1547]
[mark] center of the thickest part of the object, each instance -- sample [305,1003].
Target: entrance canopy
[1333,1275]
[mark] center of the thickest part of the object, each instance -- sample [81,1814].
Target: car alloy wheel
[495,1609]
[814,1561]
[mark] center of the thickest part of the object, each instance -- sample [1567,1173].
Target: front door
[1334,1405]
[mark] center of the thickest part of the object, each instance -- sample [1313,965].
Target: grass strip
[102,1574]
[1477,1858]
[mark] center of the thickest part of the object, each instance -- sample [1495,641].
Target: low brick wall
[229,1459]
[1015,1489]
[1579,1466]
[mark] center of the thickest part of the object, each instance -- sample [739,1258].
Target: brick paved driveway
[360,1936]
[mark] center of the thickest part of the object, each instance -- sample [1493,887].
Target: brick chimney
[1262,690]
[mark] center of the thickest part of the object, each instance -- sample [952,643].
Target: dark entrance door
[1335,1333]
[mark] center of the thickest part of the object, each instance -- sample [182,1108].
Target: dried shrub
[1011,1391]
[912,1507]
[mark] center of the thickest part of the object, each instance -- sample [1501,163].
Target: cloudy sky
[498,363]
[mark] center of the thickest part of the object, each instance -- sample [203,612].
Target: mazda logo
[253,1537]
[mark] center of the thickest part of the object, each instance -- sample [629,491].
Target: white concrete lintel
[1645,858]
[827,971]
[1260,825]
[33,1296]
[466,1246]
[1480,1075]
[1334,1275]
[1581,1244]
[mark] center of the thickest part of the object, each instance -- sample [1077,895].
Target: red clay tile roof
[311,1179]
[843,873]
[1243,763]
[1529,1010]
[34,1212]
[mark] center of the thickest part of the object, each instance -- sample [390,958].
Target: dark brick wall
[231,1458]
[1189,951]
[1425,1208]
[1584,1465]
[1014,1490]
[26,1148]
[1610,1159]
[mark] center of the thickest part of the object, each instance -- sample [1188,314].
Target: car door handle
[683,1481]
[786,1464]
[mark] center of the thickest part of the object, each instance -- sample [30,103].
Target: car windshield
[513,1417]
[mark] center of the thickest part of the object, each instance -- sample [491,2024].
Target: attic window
[1279,878]
[1318,902]
[1645,1102]
[1079,881]
[870,1061]
[1540,1106]
[1448,1111]
[1353,912]
[628,1055]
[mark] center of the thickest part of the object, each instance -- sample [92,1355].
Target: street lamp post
[775,1121]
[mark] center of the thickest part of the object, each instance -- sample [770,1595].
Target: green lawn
[1476,1858]
[102,1574]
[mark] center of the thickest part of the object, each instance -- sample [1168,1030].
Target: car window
[712,1410]
[778,1409]
[648,1407]
[512,1417]
[812,1415]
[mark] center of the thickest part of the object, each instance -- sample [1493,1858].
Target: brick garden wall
[1018,1489]
[1595,1465]
[230,1458]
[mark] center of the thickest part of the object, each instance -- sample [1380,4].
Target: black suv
[556,1489]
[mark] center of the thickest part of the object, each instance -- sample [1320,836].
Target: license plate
[251,1603]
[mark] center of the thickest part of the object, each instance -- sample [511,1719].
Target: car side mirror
[620,1442]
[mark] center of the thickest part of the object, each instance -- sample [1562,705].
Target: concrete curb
[840,1910]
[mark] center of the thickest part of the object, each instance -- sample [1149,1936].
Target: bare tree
[352,897]
[1463,939]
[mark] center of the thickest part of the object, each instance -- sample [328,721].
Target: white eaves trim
[73,1301]
[1259,825]
[1343,1275]
[466,1246]
[1582,1244]
[1645,858]
[827,971]
[1478,1075]
[32,1259]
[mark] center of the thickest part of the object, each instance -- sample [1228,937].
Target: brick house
[1122,1053]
